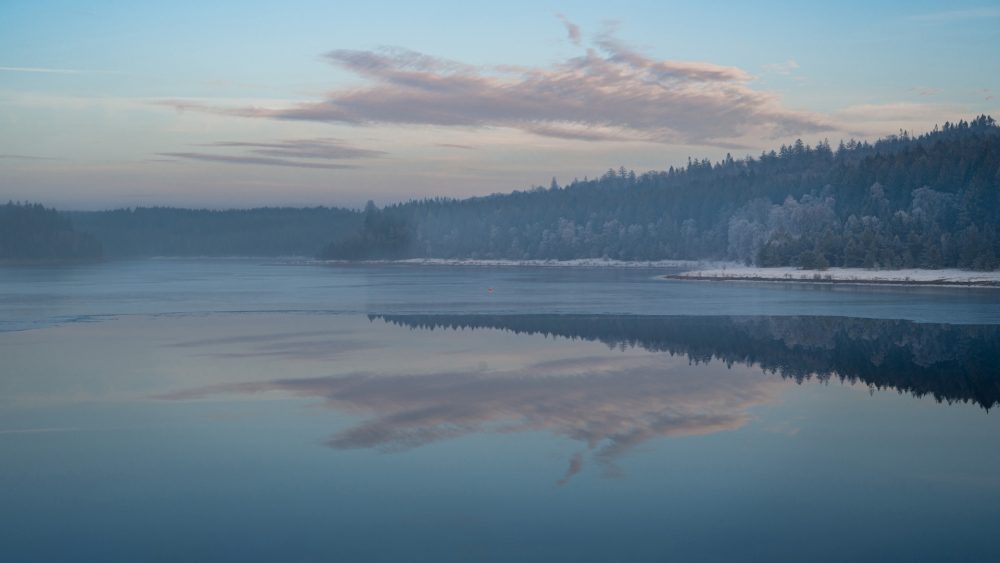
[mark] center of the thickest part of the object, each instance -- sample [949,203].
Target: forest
[927,201]
[31,232]
[266,231]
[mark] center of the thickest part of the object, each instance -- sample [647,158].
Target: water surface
[257,411]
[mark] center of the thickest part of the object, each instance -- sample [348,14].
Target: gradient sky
[226,104]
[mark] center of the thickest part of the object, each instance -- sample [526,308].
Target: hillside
[930,201]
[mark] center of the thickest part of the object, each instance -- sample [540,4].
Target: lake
[283,410]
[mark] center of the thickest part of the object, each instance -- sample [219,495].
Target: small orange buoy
[490,290]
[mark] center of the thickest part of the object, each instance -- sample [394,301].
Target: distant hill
[31,232]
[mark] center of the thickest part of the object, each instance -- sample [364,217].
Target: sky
[241,104]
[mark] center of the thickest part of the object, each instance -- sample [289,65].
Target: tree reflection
[683,382]
[948,362]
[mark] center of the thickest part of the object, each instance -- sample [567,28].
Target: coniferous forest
[928,201]
[268,231]
[32,232]
[931,201]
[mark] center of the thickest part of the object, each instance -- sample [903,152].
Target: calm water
[246,410]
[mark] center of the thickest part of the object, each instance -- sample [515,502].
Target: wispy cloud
[866,120]
[609,93]
[47,70]
[455,146]
[926,91]
[328,149]
[925,112]
[40,70]
[786,67]
[298,153]
[572,30]
[26,157]
[959,15]
[257,160]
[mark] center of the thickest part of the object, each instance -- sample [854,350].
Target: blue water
[256,410]
[40,296]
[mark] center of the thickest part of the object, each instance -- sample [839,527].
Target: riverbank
[949,277]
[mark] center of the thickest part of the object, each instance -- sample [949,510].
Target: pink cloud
[608,93]
[572,30]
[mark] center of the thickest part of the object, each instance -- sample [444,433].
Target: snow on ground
[577,263]
[717,270]
[845,275]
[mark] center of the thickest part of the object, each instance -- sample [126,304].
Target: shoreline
[691,270]
[840,276]
[501,263]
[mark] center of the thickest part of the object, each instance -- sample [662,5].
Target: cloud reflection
[575,465]
[628,401]
[311,345]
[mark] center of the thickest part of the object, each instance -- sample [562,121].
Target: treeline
[948,362]
[268,231]
[929,201]
[30,232]
[380,237]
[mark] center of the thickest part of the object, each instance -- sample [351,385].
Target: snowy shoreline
[709,270]
[575,263]
[949,277]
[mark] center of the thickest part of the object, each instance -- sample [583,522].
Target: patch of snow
[738,272]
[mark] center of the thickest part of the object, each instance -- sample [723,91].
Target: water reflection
[664,376]
[611,406]
[949,362]
[307,344]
